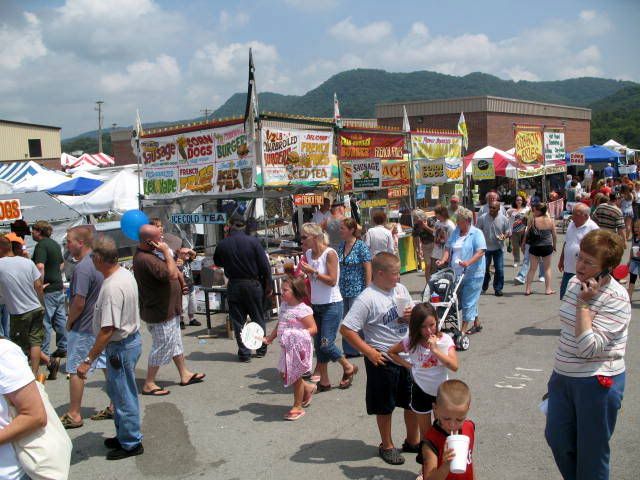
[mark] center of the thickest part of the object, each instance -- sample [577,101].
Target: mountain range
[360,90]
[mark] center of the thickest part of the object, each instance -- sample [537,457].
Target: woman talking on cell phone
[587,383]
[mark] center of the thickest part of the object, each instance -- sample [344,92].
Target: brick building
[121,149]
[490,120]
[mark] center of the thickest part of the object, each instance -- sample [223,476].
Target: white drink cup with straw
[460,445]
[402,303]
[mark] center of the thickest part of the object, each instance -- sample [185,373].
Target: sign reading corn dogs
[210,161]
[296,157]
[439,158]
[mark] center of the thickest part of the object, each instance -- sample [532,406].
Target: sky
[170,60]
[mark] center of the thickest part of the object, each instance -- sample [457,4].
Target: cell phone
[597,278]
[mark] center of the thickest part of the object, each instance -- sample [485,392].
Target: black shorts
[388,387]
[420,402]
[541,251]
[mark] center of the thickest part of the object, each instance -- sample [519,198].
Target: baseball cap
[237,220]
[12,237]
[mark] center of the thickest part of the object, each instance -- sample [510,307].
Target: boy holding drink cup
[448,446]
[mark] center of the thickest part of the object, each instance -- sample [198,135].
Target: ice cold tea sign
[189,218]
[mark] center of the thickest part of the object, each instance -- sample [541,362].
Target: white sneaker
[515,265]
[518,281]
[541,279]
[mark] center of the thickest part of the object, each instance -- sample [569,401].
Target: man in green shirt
[48,258]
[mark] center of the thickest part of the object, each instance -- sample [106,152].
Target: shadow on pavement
[539,332]
[167,444]
[271,380]
[334,451]
[87,445]
[212,356]
[264,412]
[376,473]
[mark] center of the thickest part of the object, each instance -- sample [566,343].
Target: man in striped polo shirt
[609,215]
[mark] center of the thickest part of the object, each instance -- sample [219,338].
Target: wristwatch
[87,360]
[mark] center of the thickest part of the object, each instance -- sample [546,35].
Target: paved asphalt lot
[231,426]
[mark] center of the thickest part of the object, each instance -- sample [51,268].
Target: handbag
[46,453]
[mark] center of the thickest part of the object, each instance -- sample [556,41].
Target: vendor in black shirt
[246,265]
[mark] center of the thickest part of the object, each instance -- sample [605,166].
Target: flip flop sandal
[293,416]
[391,455]
[306,401]
[323,388]
[347,378]
[195,378]
[314,378]
[69,423]
[105,414]
[156,392]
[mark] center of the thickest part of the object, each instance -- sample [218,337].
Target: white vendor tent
[118,194]
[44,180]
[67,160]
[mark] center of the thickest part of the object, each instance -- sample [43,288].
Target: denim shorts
[78,346]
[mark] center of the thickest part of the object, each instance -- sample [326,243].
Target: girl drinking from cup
[294,330]
[428,353]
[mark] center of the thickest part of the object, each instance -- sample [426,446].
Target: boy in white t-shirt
[375,312]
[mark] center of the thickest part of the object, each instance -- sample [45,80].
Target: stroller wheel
[462,341]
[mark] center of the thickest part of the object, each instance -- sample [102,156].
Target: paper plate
[252,335]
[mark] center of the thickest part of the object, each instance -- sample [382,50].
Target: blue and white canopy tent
[14,172]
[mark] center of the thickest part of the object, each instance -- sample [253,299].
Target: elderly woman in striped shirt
[587,383]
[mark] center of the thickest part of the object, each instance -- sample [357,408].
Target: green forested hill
[615,103]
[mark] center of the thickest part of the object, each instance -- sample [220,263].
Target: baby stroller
[442,293]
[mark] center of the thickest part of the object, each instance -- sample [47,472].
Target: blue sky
[171,59]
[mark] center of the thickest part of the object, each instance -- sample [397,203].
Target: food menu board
[214,161]
[297,157]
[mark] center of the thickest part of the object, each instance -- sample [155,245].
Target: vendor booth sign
[366,174]
[528,145]
[439,158]
[206,218]
[362,145]
[10,210]
[553,147]
[308,200]
[398,192]
[483,169]
[373,203]
[210,161]
[394,173]
[576,158]
[296,157]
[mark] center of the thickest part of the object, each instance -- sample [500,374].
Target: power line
[206,112]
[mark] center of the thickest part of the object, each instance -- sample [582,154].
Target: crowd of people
[347,282]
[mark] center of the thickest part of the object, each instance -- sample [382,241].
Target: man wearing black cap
[246,265]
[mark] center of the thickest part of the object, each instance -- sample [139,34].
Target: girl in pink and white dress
[294,330]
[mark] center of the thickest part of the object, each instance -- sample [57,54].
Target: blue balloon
[131,222]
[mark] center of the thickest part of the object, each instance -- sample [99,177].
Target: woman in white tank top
[323,269]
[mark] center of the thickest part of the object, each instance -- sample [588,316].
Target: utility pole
[100,118]
[206,112]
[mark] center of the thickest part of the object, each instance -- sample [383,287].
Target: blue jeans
[346,346]
[580,421]
[55,319]
[524,268]
[4,321]
[122,389]
[565,282]
[498,279]
[328,317]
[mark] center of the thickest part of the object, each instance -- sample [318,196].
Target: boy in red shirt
[450,410]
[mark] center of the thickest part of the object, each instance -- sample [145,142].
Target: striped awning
[14,172]
[95,160]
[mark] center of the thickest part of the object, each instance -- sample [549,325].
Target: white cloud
[588,15]
[144,76]
[18,45]
[371,33]
[228,21]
